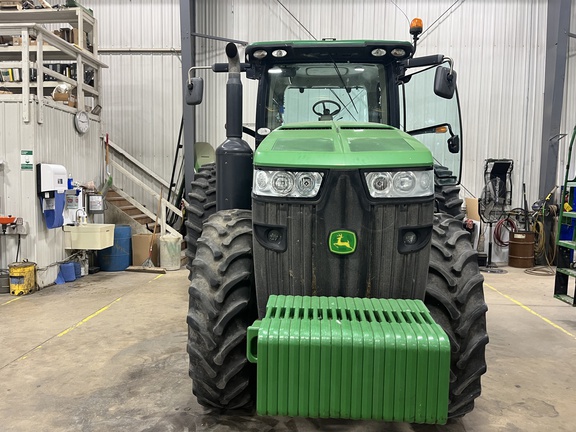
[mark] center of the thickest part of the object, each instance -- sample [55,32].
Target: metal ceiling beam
[558,32]
[187,32]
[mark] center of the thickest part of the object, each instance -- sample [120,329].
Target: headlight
[400,184]
[287,183]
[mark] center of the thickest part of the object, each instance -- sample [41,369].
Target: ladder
[565,265]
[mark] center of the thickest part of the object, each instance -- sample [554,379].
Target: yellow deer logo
[339,242]
[342,242]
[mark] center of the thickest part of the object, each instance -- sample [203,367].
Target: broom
[148,266]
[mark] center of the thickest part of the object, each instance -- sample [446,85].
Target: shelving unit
[40,49]
[565,265]
[76,17]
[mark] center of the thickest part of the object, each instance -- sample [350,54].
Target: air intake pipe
[234,156]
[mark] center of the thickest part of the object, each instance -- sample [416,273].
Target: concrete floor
[107,353]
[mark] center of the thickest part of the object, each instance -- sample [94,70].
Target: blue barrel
[77,270]
[68,272]
[117,257]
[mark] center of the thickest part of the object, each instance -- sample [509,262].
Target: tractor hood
[341,145]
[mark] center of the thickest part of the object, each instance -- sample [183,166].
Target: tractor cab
[363,82]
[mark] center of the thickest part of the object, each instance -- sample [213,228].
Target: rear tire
[222,306]
[201,205]
[447,194]
[455,298]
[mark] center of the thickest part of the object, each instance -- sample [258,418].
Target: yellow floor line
[88,318]
[69,329]
[526,308]
[156,278]
[10,301]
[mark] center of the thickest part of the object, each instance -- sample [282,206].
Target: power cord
[507,224]
[540,246]
[70,258]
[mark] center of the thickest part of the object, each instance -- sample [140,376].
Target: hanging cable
[18,249]
[297,20]
[440,17]
[400,9]
[541,247]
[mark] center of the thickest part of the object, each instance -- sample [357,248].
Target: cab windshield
[326,91]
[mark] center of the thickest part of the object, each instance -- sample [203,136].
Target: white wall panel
[141,91]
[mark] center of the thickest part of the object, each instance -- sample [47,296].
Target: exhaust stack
[234,155]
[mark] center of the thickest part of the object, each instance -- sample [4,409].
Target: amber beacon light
[416,26]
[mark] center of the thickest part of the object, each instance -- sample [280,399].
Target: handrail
[139,164]
[58,49]
[165,204]
[163,226]
[145,186]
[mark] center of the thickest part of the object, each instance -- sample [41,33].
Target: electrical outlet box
[17,229]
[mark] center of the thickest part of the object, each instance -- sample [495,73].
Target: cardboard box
[140,247]
[17,41]
[472,209]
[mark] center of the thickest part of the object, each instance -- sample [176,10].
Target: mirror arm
[431,129]
[451,63]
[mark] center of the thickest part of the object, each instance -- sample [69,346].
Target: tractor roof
[312,51]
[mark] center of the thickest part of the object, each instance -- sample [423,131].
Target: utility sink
[88,236]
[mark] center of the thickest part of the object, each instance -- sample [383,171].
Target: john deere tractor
[330,273]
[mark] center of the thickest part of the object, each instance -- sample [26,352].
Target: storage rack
[565,265]
[40,50]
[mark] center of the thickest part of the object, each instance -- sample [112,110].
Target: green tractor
[330,272]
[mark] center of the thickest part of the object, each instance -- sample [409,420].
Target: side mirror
[454,144]
[444,82]
[194,91]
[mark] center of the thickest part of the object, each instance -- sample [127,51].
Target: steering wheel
[326,114]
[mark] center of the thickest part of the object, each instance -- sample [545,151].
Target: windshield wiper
[346,89]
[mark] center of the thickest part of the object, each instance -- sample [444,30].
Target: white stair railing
[164,205]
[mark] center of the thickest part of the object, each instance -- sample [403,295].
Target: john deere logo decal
[342,242]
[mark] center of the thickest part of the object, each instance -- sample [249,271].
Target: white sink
[88,236]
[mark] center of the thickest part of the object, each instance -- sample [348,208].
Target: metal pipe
[233,94]
[139,51]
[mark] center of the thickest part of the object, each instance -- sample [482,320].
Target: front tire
[455,298]
[222,306]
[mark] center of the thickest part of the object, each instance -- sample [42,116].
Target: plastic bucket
[68,272]
[22,277]
[170,250]
[118,256]
[521,252]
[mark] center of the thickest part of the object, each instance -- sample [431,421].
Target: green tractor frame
[330,272]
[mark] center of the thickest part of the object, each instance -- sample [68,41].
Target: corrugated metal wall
[498,49]
[141,91]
